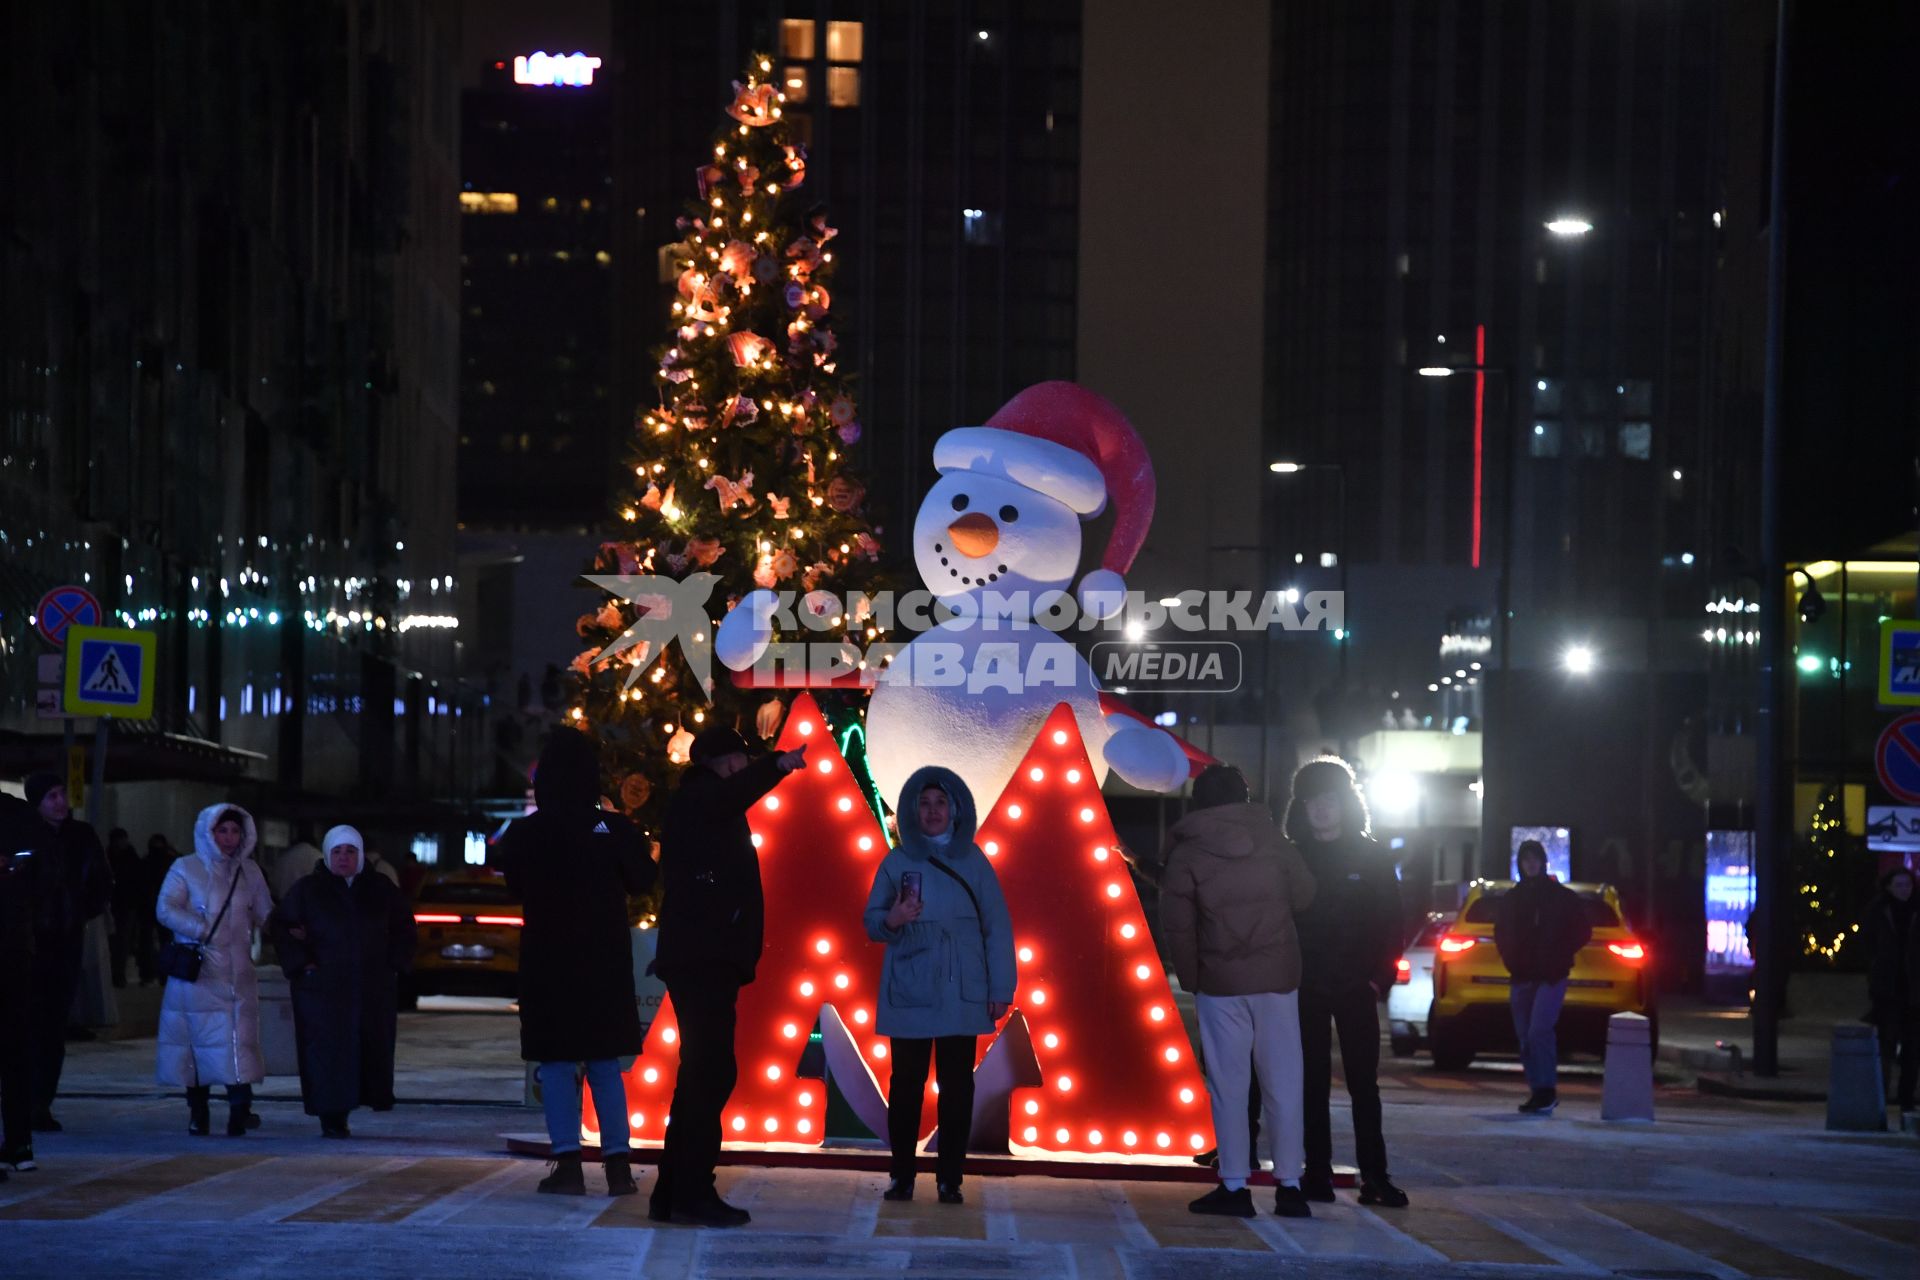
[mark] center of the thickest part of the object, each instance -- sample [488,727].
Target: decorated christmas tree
[1827,865]
[740,465]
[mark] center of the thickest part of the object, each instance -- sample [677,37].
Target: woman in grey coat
[949,971]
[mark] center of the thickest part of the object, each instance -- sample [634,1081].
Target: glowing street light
[1435,371]
[1285,468]
[1578,660]
[1567,227]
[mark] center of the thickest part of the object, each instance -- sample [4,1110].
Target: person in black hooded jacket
[1893,979]
[573,866]
[712,916]
[1539,931]
[1350,937]
[23,841]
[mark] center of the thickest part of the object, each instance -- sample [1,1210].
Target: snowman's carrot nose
[974,534]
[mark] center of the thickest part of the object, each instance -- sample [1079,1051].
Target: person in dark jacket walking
[344,937]
[74,888]
[153,873]
[24,840]
[1227,900]
[1350,937]
[574,865]
[949,972]
[1893,979]
[1539,930]
[132,937]
[712,917]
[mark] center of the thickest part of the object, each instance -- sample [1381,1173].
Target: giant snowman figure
[1004,518]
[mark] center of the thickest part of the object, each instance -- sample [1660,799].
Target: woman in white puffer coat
[210,1028]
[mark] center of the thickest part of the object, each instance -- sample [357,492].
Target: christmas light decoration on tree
[740,469]
[1118,1073]
[1828,906]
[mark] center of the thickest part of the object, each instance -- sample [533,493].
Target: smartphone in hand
[909,886]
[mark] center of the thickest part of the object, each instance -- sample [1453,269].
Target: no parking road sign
[110,672]
[1896,757]
[65,607]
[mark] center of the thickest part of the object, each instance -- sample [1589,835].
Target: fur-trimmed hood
[203,844]
[906,814]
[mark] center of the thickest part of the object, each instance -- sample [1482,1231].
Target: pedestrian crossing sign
[110,672]
[1899,663]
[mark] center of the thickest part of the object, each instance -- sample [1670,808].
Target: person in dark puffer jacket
[1540,928]
[1350,938]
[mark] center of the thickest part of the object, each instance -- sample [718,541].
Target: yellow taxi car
[1470,1013]
[468,928]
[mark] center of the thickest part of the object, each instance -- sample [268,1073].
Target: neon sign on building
[566,70]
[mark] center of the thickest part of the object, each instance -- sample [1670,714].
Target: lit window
[794,82]
[489,202]
[1636,440]
[796,37]
[843,84]
[844,41]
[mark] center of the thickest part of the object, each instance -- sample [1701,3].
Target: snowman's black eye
[1009,514]
[960,502]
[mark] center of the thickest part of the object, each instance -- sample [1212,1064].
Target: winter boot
[199,1123]
[1379,1191]
[239,1110]
[619,1171]
[1317,1185]
[1291,1202]
[564,1177]
[899,1189]
[950,1193]
[1223,1203]
[1540,1102]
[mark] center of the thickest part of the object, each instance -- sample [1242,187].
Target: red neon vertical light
[1479,429]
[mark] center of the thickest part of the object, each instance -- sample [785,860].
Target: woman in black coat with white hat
[345,936]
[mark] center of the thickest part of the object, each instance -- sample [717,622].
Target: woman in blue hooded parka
[949,972]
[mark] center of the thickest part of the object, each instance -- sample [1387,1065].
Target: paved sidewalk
[1697,1037]
[1725,1191]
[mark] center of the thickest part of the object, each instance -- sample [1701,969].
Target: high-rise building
[1526,197]
[944,140]
[537,435]
[229,354]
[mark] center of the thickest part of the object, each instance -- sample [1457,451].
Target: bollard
[1856,1093]
[1627,1093]
[279,1047]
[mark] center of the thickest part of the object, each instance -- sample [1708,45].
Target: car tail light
[1453,944]
[1628,950]
[515,921]
[1402,971]
[419,918]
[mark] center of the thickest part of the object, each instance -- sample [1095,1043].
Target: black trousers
[57,974]
[952,1057]
[1354,1012]
[1901,1032]
[132,939]
[17,1035]
[705,1012]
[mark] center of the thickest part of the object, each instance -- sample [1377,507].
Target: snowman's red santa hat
[1062,440]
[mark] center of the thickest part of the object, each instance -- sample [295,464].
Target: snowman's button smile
[974,534]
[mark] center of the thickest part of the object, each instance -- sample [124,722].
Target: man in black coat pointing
[711,923]
[574,865]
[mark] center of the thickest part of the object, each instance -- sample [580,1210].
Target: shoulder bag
[182,960]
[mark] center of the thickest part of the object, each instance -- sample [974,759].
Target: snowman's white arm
[744,634]
[1146,757]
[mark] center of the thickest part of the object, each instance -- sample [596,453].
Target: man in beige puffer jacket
[1227,896]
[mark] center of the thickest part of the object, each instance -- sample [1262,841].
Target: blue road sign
[1897,758]
[110,672]
[65,607]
